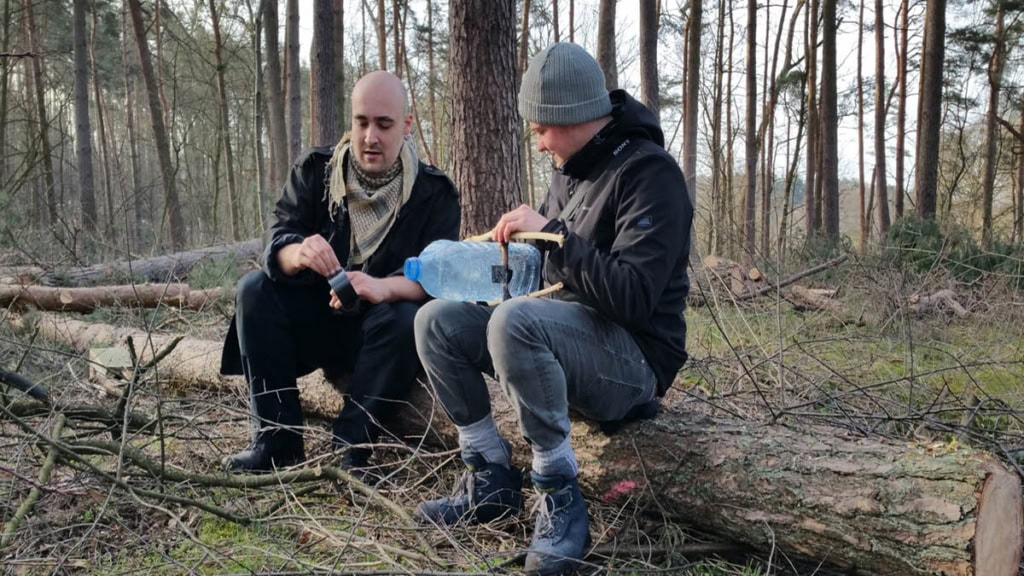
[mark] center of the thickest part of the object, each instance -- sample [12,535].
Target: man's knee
[434,318]
[252,291]
[513,320]
[396,318]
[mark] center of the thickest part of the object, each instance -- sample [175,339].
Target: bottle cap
[413,269]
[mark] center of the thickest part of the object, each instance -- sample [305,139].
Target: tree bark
[382,37]
[690,108]
[649,51]
[485,124]
[156,113]
[829,125]
[258,110]
[995,84]
[157,269]
[101,124]
[38,89]
[861,191]
[750,195]
[292,81]
[89,299]
[279,158]
[224,129]
[811,89]
[83,128]
[606,43]
[930,108]
[339,64]
[881,506]
[881,179]
[901,113]
[324,111]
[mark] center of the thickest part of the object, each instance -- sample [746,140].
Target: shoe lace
[540,508]
[466,485]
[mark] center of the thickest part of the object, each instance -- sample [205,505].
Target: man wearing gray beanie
[607,346]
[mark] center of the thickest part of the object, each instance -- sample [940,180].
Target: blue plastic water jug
[472,271]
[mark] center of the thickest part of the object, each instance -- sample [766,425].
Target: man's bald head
[380,120]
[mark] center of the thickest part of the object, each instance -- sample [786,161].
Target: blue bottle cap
[413,268]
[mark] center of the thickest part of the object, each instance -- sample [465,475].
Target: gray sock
[482,438]
[559,461]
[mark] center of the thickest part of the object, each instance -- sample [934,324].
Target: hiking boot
[485,492]
[562,531]
[266,454]
[357,463]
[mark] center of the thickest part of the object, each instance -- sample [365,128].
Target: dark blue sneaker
[562,531]
[486,492]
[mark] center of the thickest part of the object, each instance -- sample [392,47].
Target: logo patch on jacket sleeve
[644,222]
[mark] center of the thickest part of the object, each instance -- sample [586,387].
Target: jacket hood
[634,120]
[630,120]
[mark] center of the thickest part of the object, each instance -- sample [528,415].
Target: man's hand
[314,253]
[522,219]
[377,290]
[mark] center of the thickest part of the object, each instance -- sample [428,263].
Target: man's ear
[407,128]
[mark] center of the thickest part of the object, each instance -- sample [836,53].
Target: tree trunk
[811,89]
[38,89]
[930,108]
[522,62]
[829,125]
[262,202]
[435,127]
[279,157]
[861,192]
[485,124]
[324,112]
[339,64]
[156,113]
[649,51]
[901,114]
[86,300]
[156,269]
[396,34]
[293,82]
[382,37]
[606,43]
[995,83]
[555,32]
[716,230]
[572,20]
[224,128]
[879,506]
[1018,205]
[750,196]
[5,69]
[108,177]
[881,180]
[137,194]
[83,129]
[691,97]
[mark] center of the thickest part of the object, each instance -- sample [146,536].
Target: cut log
[88,299]
[815,299]
[944,301]
[158,269]
[879,506]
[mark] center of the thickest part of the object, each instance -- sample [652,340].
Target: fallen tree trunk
[88,299]
[157,269]
[879,506]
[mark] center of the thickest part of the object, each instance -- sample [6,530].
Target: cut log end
[998,536]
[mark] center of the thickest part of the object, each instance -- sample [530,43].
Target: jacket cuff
[273,269]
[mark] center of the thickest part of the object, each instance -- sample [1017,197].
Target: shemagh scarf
[373,201]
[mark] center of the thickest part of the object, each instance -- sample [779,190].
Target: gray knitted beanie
[562,86]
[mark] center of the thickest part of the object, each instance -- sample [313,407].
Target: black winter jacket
[431,213]
[627,241]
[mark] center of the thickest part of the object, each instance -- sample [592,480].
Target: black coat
[627,242]
[431,213]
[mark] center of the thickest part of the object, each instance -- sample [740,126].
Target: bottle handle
[545,236]
[535,294]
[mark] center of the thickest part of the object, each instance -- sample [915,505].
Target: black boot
[562,530]
[486,492]
[270,451]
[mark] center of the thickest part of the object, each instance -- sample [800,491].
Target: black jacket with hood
[627,240]
[431,213]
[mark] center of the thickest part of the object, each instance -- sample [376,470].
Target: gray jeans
[548,355]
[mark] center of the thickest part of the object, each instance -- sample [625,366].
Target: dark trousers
[286,331]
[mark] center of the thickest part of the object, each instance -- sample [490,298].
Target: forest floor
[871,365]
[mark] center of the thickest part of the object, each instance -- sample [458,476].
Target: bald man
[362,207]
